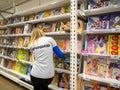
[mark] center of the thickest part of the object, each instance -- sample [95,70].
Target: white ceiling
[6,4]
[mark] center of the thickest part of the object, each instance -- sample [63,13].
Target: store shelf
[15,35]
[14,59]
[51,18]
[15,79]
[6,72]
[102,31]
[16,47]
[3,27]
[56,33]
[46,6]
[59,70]
[102,55]
[112,82]
[55,87]
[102,10]
[16,24]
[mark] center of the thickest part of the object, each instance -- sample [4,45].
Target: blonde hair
[36,33]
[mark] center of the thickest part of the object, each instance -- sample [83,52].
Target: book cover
[97,44]
[26,42]
[31,59]
[17,66]
[20,41]
[19,54]
[55,79]
[113,44]
[59,63]
[10,64]
[96,66]
[41,14]
[60,43]
[115,20]
[23,68]
[98,22]
[53,27]
[64,80]
[29,67]
[113,71]
[25,55]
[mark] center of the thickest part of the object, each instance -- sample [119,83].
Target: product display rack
[95,12]
[15,76]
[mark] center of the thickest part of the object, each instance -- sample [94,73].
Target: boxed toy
[115,20]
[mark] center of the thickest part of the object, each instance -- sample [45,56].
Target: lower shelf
[17,80]
[22,83]
[113,83]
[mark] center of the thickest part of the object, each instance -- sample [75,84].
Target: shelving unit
[73,36]
[112,82]
[96,12]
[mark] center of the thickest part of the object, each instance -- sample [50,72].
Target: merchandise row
[111,21]
[103,44]
[57,11]
[102,3]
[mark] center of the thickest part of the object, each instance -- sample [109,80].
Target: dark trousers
[40,84]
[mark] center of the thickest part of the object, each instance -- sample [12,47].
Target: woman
[42,48]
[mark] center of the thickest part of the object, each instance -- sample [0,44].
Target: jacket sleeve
[58,52]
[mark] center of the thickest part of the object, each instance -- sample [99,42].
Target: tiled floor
[6,84]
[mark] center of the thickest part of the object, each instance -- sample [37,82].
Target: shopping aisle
[6,84]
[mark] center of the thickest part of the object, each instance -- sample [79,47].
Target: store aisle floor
[6,84]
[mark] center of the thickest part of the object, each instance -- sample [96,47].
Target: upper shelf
[51,18]
[43,7]
[108,9]
[102,31]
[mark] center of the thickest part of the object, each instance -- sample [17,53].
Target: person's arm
[58,52]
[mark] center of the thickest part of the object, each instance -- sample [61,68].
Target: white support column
[73,39]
